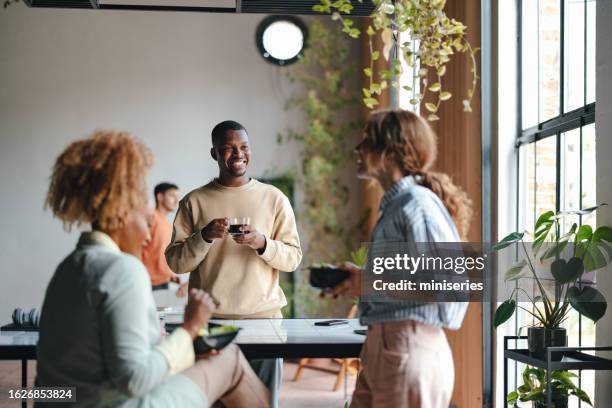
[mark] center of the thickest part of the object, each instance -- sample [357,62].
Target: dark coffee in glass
[238,225]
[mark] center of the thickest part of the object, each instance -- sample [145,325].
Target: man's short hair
[162,188]
[218,132]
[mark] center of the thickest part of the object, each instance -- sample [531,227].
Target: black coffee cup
[238,225]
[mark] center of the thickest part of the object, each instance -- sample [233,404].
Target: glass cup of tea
[236,225]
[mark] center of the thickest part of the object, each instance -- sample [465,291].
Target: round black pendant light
[281,39]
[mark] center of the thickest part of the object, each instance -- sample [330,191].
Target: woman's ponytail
[455,200]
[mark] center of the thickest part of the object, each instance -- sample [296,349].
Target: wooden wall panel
[459,147]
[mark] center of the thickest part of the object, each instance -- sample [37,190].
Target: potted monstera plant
[568,256]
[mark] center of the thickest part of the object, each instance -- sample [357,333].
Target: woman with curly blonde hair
[99,330]
[407,361]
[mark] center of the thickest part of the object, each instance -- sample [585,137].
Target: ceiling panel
[219,6]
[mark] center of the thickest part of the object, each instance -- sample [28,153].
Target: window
[556,142]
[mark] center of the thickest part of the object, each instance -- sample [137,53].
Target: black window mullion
[562,58]
[538,62]
[585,64]
[519,71]
[580,205]
[558,175]
[562,123]
[535,183]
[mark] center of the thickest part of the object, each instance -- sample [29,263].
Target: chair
[347,365]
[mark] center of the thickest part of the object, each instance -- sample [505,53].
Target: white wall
[166,77]
[603,128]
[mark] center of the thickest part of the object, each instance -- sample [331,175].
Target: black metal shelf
[571,359]
[557,359]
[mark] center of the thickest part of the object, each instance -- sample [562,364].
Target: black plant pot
[539,338]
[558,401]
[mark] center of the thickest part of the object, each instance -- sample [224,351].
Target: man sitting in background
[166,201]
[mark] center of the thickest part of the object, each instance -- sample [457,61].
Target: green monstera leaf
[588,301]
[515,272]
[504,312]
[566,272]
[508,240]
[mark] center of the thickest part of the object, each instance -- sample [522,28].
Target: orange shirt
[153,253]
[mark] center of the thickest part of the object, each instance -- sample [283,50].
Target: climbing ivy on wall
[331,108]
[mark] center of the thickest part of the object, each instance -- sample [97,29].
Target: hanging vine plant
[433,40]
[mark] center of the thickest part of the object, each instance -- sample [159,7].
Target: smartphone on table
[333,322]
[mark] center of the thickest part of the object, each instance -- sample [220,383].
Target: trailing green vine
[324,71]
[433,40]
[329,106]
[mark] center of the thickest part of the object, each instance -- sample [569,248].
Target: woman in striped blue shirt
[407,361]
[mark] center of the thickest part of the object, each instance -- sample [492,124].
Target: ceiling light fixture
[281,39]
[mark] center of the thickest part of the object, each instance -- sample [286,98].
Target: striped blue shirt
[409,212]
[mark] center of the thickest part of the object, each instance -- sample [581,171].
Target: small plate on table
[217,337]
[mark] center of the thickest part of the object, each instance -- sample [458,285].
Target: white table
[259,338]
[293,338]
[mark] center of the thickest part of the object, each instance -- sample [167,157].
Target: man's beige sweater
[242,282]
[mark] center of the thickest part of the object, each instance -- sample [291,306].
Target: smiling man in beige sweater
[240,272]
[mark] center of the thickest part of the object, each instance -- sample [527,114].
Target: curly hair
[412,143]
[99,180]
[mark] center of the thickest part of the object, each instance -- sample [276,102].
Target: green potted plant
[360,256]
[568,256]
[534,389]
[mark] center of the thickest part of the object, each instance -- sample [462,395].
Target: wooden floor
[10,377]
[313,390]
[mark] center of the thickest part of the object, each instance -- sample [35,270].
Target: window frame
[575,119]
